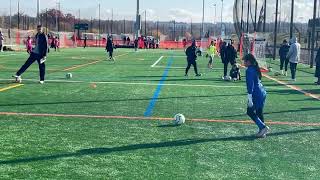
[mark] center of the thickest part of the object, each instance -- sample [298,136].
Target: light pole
[215,17]
[313,33]
[221,16]
[275,30]
[38,11]
[291,21]
[138,25]
[202,24]
[265,15]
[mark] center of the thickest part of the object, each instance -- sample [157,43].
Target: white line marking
[147,84]
[177,67]
[153,65]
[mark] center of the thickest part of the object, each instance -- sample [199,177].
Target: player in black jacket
[283,52]
[39,54]
[109,48]
[192,58]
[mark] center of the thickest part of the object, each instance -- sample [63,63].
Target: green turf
[88,148]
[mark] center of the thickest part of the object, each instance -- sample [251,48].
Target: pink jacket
[29,44]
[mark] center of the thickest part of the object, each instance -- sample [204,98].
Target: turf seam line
[153,101]
[155,118]
[10,87]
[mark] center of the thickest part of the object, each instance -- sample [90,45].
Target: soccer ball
[179,119]
[69,76]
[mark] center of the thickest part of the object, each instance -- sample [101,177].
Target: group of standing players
[256,92]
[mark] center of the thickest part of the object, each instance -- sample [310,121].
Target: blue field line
[148,112]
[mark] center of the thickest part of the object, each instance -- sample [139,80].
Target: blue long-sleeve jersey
[255,87]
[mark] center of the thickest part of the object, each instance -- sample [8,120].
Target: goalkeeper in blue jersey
[256,94]
[211,52]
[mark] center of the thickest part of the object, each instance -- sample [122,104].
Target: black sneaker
[198,75]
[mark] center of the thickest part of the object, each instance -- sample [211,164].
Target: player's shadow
[277,112]
[144,146]
[115,100]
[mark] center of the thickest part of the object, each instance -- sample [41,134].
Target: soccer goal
[256,45]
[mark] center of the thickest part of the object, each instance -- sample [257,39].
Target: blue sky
[181,10]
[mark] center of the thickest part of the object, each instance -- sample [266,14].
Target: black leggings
[194,63]
[293,68]
[33,57]
[284,62]
[110,54]
[225,69]
[252,113]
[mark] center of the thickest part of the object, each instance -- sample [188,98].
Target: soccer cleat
[17,79]
[186,75]
[198,75]
[263,132]
[41,82]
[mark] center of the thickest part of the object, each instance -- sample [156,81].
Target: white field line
[146,84]
[153,65]
[180,67]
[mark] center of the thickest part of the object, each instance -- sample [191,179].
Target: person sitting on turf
[192,58]
[38,54]
[109,48]
[198,51]
[235,73]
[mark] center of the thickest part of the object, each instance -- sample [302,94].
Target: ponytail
[249,57]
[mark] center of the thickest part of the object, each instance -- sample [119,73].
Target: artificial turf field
[112,120]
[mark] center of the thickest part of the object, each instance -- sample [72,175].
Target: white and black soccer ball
[179,119]
[69,76]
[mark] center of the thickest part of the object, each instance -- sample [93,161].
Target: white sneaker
[41,82]
[18,79]
[282,72]
[286,73]
[263,132]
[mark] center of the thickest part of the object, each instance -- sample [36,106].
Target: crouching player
[256,94]
[235,73]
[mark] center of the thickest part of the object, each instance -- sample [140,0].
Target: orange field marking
[154,118]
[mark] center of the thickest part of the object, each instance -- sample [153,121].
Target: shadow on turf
[278,112]
[113,100]
[168,144]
